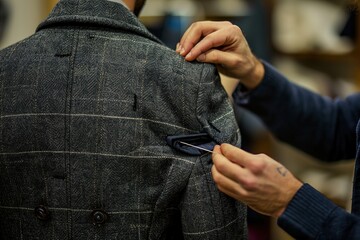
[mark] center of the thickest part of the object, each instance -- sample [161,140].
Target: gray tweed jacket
[85,106]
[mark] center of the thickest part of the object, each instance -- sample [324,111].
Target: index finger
[196,32]
[236,155]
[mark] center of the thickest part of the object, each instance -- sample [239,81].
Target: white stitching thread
[100,154]
[93,115]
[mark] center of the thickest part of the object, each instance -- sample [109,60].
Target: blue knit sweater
[322,127]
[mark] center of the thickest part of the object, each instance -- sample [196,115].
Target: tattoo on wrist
[283,171]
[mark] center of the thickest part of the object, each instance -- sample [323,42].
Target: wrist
[288,196]
[255,76]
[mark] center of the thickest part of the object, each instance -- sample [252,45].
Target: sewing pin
[197,147]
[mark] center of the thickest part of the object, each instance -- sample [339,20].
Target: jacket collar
[99,13]
[118,1]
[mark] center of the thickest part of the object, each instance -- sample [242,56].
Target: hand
[257,180]
[223,44]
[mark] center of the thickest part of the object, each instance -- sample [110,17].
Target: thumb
[236,155]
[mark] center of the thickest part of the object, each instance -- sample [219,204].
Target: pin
[197,147]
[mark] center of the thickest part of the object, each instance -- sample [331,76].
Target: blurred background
[313,42]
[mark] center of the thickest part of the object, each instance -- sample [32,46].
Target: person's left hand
[257,180]
[223,44]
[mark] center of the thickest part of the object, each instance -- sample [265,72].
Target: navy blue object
[350,28]
[326,128]
[202,140]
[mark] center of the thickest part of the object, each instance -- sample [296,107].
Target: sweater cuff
[306,213]
[270,82]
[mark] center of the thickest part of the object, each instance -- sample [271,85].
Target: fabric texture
[86,104]
[326,129]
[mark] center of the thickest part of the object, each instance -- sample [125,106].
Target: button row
[98,216]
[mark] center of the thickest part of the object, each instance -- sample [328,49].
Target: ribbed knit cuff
[270,83]
[306,213]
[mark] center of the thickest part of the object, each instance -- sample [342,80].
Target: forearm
[296,115]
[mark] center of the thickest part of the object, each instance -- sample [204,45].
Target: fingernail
[188,55]
[201,58]
[182,50]
[178,47]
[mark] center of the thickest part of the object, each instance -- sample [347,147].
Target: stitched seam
[101,154]
[221,117]
[67,122]
[88,210]
[95,115]
[212,230]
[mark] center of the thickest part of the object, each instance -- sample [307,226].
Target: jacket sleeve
[214,110]
[207,213]
[310,215]
[320,126]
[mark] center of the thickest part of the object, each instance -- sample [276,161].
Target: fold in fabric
[201,140]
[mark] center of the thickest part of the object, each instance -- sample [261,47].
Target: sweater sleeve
[310,215]
[318,125]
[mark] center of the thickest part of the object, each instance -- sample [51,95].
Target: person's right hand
[256,180]
[223,44]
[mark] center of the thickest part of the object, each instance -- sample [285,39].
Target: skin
[223,44]
[257,180]
[135,5]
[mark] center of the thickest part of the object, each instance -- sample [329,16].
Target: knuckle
[227,23]
[258,166]
[216,176]
[196,25]
[237,61]
[245,194]
[215,57]
[217,180]
[236,29]
[220,166]
[262,155]
[250,184]
[262,158]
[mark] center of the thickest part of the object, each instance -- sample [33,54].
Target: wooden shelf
[317,55]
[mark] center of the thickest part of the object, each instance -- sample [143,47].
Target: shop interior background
[313,42]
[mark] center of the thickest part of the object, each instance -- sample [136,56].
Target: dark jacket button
[99,217]
[42,213]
